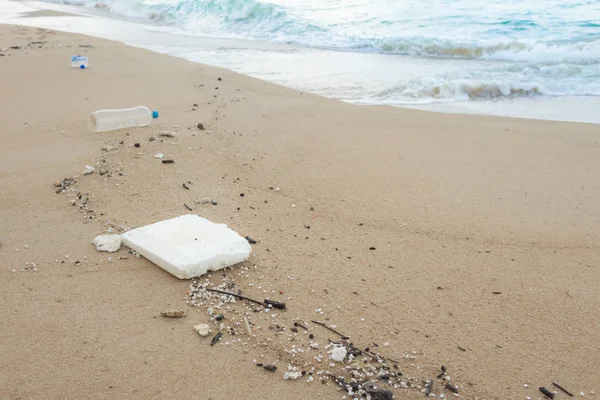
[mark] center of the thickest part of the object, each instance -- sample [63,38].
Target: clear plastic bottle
[110,120]
[79,62]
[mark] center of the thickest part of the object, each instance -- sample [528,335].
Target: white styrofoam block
[189,245]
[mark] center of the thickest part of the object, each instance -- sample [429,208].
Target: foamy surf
[462,51]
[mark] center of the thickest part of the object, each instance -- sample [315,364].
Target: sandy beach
[471,242]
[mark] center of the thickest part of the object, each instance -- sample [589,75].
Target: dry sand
[486,233]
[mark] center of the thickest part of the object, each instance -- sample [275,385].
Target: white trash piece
[88,170]
[108,243]
[111,120]
[79,62]
[338,353]
[189,245]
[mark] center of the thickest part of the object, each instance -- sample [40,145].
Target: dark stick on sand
[331,329]
[563,389]
[265,303]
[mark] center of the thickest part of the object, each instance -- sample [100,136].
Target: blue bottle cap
[154,114]
[82,66]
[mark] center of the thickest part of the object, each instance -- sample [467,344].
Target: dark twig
[301,325]
[442,373]
[265,303]
[563,389]
[331,329]
[428,387]
[452,388]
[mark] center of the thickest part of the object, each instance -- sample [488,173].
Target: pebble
[89,170]
[159,155]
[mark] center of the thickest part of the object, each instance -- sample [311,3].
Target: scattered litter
[292,374]
[247,325]
[428,387]
[216,338]
[265,303]
[168,161]
[301,325]
[110,120]
[188,207]
[454,389]
[64,184]
[250,240]
[186,187]
[269,367]
[173,313]
[188,246]
[331,329]
[546,392]
[88,170]
[137,145]
[376,392]
[200,126]
[81,62]
[338,353]
[159,155]
[167,134]
[202,329]
[442,373]
[108,243]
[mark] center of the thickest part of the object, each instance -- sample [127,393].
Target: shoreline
[283,58]
[484,230]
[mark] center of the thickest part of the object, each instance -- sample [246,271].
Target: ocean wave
[543,79]
[448,36]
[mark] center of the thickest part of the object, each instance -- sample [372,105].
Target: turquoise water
[549,47]
[526,58]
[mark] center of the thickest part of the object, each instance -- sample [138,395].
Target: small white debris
[202,329]
[525,385]
[314,345]
[292,375]
[88,170]
[582,394]
[109,243]
[159,155]
[338,353]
